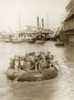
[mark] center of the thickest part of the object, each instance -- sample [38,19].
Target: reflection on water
[60,88]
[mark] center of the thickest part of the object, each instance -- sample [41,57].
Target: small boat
[31,40]
[40,38]
[59,44]
[8,40]
[17,40]
[32,75]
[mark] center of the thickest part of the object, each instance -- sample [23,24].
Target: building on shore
[67,30]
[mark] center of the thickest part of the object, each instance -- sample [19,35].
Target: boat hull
[13,74]
[32,75]
[16,41]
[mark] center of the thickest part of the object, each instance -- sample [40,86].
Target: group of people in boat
[33,61]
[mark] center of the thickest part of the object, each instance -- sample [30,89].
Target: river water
[59,88]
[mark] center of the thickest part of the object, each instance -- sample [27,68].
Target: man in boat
[42,62]
[22,63]
[32,61]
[53,63]
[41,54]
[48,56]
[26,57]
[15,63]
[38,59]
[12,63]
[18,64]
[26,62]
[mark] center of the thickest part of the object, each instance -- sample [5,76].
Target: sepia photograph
[36,49]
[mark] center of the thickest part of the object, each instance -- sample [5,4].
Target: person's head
[44,53]
[33,53]
[52,57]
[13,59]
[42,56]
[30,54]
[41,53]
[48,53]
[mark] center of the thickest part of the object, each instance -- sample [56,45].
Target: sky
[25,12]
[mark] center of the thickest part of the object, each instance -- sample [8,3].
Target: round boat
[32,75]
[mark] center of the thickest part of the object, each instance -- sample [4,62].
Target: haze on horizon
[28,10]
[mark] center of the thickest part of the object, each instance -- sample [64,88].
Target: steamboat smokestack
[42,22]
[37,20]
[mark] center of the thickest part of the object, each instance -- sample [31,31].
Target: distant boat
[8,40]
[30,39]
[17,40]
[59,44]
[40,39]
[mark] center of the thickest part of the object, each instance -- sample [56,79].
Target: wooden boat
[32,75]
[59,44]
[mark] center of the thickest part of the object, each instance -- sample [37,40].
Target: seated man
[32,61]
[48,56]
[42,64]
[53,63]
[12,63]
